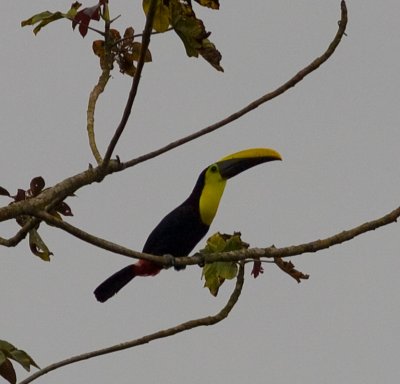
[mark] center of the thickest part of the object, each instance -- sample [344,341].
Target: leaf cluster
[216,273]
[124,51]
[169,14]
[191,30]
[36,186]
[7,353]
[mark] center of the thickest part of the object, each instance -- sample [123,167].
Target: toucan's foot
[169,260]
[179,267]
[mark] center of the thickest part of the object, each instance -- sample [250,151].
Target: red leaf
[257,269]
[84,17]
[64,209]
[7,372]
[21,195]
[37,185]
[4,192]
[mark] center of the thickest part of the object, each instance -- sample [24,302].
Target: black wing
[177,233]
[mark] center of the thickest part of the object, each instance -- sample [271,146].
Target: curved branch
[242,255]
[295,250]
[94,240]
[315,64]
[21,234]
[186,326]
[94,95]
[68,186]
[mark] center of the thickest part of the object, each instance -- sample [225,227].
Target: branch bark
[94,96]
[314,65]
[135,82]
[186,326]
[70,185]
[243,255]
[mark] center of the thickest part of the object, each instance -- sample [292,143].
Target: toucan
[180,231]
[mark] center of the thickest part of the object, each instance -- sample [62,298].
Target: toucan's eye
[214,168]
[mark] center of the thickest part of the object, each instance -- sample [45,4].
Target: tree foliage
[224,256]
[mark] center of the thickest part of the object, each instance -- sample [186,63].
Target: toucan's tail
[118,280]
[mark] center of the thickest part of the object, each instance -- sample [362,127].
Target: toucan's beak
[238,162]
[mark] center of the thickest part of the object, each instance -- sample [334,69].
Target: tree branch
[295,250]
[186,326]
[94,240]
[68,186]
[315,64]
[242,255]
[58,192]
[21,234]
[94,95]
[135,82]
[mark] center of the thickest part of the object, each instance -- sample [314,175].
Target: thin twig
[94,95]
[73,183]
[186,326]
[91,239]
[88,26]
[315,64]
[135,83]
[21,234]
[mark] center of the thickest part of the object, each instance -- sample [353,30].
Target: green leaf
[213,4]
[23,358]
[211,54]
[9,351]
[190,29]
[193,34]
[42,19]
[3,357]
[47,17]
[161,17]
[5,346]
[38,246]
[73,10]
[216,273]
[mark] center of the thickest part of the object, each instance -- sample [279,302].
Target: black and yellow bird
[179,232]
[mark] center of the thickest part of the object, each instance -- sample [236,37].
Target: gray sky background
[338,132]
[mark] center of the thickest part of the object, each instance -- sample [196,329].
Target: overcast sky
[338,132]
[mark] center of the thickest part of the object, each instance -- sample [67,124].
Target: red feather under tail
[146,268]
[118,280]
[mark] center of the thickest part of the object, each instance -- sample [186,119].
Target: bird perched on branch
[180,231]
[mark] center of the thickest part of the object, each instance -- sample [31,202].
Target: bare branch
[94,95]
[315,64]
[21,234]
[204,321]
[242,255]
[66,187]
[135,82]
[94,240]
[295,250]
[58,192]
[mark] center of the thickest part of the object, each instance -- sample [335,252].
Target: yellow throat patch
[213,189]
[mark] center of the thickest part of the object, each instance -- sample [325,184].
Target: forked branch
[315,64]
